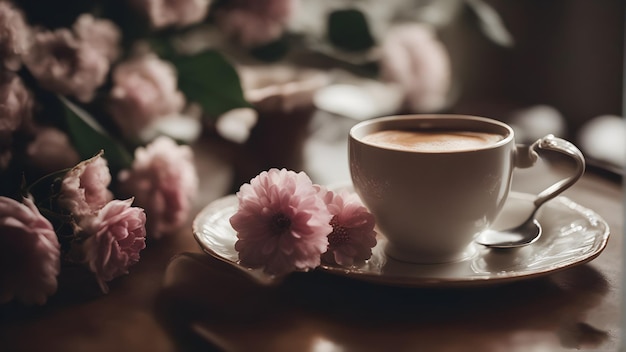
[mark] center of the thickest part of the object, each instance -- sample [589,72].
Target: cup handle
[528,155]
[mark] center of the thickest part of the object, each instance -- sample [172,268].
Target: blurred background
[567,54]
[278,83]
[542,66]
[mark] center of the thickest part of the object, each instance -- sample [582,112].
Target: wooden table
[179,299]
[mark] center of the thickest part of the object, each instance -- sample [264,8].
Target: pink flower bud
[84,189]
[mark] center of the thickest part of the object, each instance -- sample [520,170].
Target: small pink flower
[353,235]
[282,224]
[116,236]
[14,36]
[29,253]
[64,64]
[413,57]
[102,35]
[177,13]
[164,181]
[16,102]
[16,107]
[84,189]
[51,150]
[145,88]
[6,153]
[252,22]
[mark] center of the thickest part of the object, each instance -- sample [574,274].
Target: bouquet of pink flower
[72,216]
[55,208]
[87,174]
[77,220]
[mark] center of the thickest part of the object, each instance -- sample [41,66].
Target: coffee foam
[432,141]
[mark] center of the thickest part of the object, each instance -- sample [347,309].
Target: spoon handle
[552,143]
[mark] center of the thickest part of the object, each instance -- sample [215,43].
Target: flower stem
[51,176]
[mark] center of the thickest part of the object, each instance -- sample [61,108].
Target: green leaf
[89,138]
[491,23]
[348,30]
[271,52]
[161,45]
[208,79]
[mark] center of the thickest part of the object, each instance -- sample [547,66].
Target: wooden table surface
[179,299]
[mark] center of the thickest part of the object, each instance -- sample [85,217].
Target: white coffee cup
[431,196]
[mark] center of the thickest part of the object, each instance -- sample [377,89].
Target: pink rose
[413,57]
[64,64]
[145,88]
[29,253]
[51,150]
[84,189]
[178,13]
[116,236]
[252,22]
[102,35]
[282,224]
[14,36]
[164,181]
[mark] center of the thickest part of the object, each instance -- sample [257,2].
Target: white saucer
[573,235]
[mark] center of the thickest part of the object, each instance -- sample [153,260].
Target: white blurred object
[604,138]
[281,88]
[412,56]
[361,100]
[235,125]
[537,121]
[180,127]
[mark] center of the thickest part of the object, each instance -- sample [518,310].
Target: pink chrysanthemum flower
[353,235]
[282,224]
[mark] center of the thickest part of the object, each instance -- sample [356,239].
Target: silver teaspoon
[530,230]
[524,234]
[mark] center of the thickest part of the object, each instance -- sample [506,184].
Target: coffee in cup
[434,182]
[432,141]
